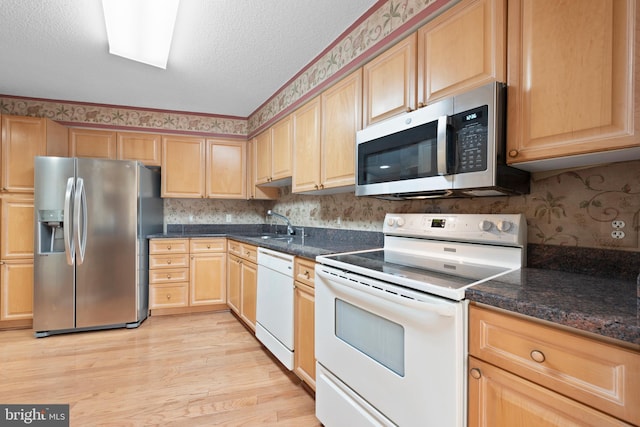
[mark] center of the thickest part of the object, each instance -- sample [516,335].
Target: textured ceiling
[227,56]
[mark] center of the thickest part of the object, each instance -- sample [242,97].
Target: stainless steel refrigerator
[91,259]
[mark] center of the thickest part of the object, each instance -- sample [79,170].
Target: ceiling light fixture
[141,30]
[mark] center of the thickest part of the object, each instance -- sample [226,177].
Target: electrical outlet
[227,217]
[617,224]
[617,234]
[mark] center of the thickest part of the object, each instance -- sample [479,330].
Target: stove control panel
[500,229]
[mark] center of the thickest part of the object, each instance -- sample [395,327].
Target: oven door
[387,355]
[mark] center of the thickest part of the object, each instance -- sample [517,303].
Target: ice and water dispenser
[50,231]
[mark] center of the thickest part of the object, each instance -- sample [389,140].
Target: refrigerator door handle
[80,220]
[69,246]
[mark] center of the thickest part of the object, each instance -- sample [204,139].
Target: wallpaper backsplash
[572,208]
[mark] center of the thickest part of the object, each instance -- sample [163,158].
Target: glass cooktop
[422,272]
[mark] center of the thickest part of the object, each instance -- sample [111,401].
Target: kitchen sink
[276,237]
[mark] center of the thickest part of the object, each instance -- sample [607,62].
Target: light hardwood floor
[200,369]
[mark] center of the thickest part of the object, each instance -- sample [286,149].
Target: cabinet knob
[315,186]
[513,153]
[169,247]
[168,276]
[475,373]
[537,356]
[168,296]
[306,274]
[408,110]
[168,261]
[208,246]
[421,104]
[321,186]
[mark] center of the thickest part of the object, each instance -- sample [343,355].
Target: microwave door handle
[441,145]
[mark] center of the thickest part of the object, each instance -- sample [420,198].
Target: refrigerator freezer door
[106,279]
[53,293]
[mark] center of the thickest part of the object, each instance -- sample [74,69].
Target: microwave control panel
[471,131]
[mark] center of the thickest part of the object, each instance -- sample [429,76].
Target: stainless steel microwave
[451,148]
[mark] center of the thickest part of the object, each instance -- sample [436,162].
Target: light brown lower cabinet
[187,275]
[242,281]
[524,372]
[16,285]
[304,364]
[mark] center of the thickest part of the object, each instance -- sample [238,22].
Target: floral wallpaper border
[75,113]
[382,23]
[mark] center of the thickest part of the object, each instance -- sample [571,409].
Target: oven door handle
[447,310]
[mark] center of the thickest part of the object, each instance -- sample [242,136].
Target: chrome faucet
[290,230]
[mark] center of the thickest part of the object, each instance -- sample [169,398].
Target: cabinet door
[208,279]
[16,235]
[249,293]
[253,191]
[262,157]
[389,82]
[16,288]
[304,313]
[234,278]
[571,79]
[183,167]
[23,138]
[281,149]
[462,49]
[498,398]
[341,119]
[306,138]
[145,147]
[226,169]
[99,144]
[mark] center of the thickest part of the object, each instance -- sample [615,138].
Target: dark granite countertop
[603,306]
[607,305]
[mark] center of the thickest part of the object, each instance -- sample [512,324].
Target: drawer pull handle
[475,373]
[537,356]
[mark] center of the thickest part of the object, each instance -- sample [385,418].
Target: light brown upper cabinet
[389,82]
[226,169]
[273,152]
[461,49]
[325,138]
[572,85]
[145,147]
[183,167]
[254,191]
[24,138]
[100,144]
[306,143]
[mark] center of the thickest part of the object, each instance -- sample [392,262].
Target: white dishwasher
[274,306]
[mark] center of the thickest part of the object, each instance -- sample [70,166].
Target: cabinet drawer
[169,275]
[169,261]
[601,375]
[243,250]
[163,296]
[304,271]
[249,252]
[207,245]
[168,246]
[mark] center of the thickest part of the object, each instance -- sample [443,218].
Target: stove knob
[485,225]
[400,222]
[504,225]
[391,221]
